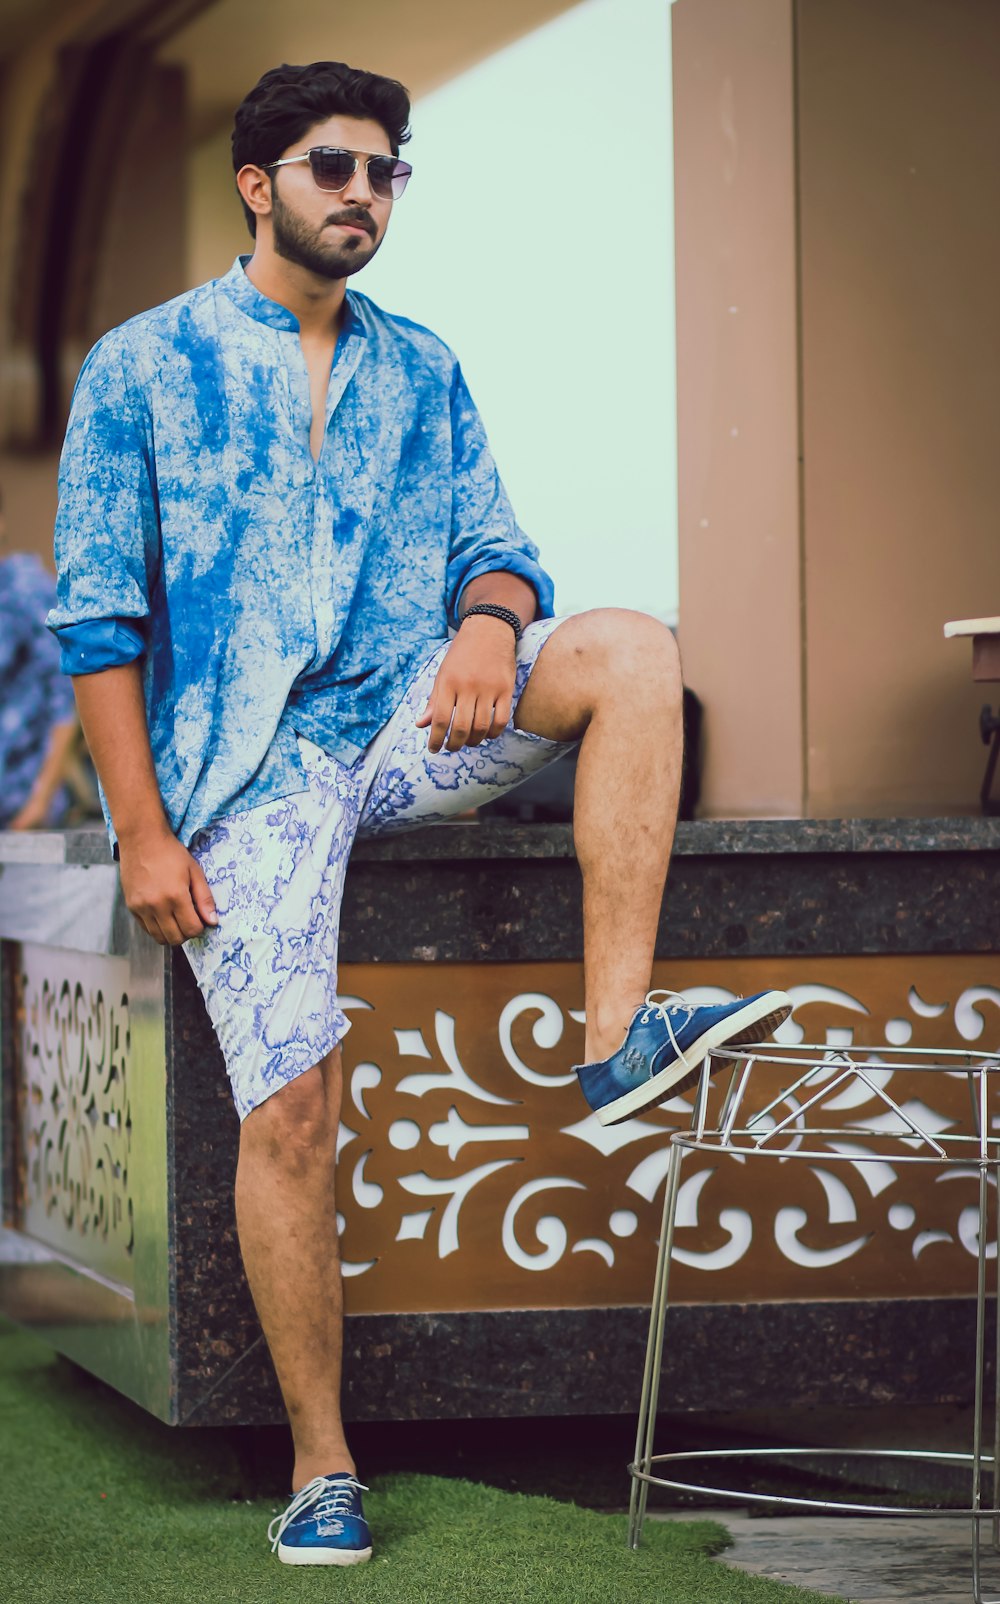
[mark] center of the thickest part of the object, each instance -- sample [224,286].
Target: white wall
[536,237]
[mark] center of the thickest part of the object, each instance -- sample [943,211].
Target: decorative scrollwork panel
[74,1109]
[472,1174]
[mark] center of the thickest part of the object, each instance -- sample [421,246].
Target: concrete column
[899,138]
[738,429]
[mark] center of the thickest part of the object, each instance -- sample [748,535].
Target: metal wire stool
[768,1133]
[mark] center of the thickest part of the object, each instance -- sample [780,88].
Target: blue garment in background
[34,696]
[275,595]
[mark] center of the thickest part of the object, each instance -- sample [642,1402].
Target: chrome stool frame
[768,1133]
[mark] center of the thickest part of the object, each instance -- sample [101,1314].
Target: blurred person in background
[38,722]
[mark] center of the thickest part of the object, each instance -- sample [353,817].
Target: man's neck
[317,302]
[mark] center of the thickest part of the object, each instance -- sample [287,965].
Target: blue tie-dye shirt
[269,593]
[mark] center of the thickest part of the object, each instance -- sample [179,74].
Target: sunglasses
[333,169]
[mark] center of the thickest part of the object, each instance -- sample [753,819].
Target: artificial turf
[101,1504]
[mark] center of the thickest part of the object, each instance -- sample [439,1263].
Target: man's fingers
[460,716]
[201,896]
[441,714]
[188,920]
[170,924]
[466,721]
[170,928]
[482,723]
[435,715]
[461,724]
[501,716]
[149,924]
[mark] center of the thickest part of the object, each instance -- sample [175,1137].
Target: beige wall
[868,216]
[216,230]
[900,238]
[737,398]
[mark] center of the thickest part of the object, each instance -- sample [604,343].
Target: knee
[296,1127]
[631,645]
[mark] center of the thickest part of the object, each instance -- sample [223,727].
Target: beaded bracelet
[494,610]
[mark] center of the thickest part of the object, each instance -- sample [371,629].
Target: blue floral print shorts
[268,970]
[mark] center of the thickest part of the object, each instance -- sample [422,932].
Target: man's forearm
[113,715]
[504,590]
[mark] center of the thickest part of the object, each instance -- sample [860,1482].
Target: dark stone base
[725,1357]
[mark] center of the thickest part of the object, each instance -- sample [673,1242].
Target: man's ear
[254,186]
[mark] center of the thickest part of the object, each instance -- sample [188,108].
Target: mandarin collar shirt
[269,594]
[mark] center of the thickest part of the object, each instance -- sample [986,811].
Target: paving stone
[905,1560]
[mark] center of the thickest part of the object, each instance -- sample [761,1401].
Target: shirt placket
[327,605]
[317,539]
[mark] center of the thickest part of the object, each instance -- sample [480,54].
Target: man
[274,501]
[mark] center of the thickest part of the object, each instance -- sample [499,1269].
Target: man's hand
[165,888]
[474,689]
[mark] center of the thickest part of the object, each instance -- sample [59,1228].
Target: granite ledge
[502,839]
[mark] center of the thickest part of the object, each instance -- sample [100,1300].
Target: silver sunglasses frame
[367,155]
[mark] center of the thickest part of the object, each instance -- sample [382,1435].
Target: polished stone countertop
[502,839]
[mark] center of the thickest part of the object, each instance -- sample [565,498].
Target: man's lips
[353,228]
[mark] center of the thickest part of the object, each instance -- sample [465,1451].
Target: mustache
[358,217]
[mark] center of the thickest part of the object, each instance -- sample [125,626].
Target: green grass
[103,1505]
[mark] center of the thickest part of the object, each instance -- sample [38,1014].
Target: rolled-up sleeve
[107,529]
[98,643]
[485,536]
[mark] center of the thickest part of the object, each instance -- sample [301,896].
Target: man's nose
[358,191]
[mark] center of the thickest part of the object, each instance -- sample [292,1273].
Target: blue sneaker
[665,1045]
[324,1524]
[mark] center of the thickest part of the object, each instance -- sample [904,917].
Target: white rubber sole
[323,1556]
[754,1023]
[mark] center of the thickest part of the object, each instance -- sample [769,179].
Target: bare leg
[613,677]
[287,1222]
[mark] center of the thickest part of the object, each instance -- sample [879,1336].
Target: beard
[297,242]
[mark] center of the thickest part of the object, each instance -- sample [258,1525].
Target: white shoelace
[325,1499]
[663,1004]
